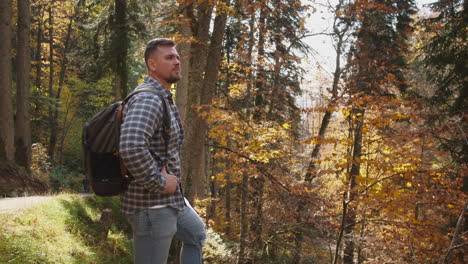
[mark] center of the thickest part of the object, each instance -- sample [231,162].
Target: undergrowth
[65,230]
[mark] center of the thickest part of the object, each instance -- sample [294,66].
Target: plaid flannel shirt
[142,150]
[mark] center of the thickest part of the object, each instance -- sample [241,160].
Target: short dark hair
[154,44]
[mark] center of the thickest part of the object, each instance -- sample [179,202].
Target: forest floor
[15,181]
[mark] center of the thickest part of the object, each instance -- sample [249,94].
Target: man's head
[162,61]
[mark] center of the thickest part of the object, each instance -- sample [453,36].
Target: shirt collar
[153,83]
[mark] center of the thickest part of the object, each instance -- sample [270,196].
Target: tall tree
[52,121]
[23,60]
[258,182]
[38,16]
[377,55]
[202,81]
[193,156]
[7,148]
[444,58]
[61,82]
[184,47]
[119,46]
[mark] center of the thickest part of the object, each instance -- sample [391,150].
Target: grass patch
[65,230]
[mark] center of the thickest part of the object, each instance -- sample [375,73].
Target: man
[154,203]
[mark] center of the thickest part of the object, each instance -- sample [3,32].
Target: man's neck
[165,84]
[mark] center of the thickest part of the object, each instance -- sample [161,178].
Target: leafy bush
[40,164]
[64,179]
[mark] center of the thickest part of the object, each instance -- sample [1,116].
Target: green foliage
[64,230]
[64,179]
[443,57]
[445,54]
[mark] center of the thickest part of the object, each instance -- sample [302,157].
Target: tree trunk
[250,52]
[211,210]
[23,128]
[7,148]
[457,238]
[259,182]
[52,121]
[63,69]
[38,53]
[277,99]
[298,236]
[256,226]
[120,45]
[350,220]
[260,81]
[311,169]
[66,127]
[184,47]
[193,157]
[228,205]
[243,219]
[209,87]
[342,226]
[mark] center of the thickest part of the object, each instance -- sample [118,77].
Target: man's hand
[171,182]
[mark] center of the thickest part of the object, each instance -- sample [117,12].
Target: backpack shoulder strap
[166,114]
[166,108]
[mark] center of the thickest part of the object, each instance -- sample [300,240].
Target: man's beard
[173,79]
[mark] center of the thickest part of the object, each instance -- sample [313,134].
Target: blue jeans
[153,230]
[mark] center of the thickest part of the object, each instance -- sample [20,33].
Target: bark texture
[23,60]
[7,148]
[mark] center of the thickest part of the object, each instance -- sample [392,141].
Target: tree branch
[456,236]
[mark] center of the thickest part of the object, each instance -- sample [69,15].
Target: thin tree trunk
[7,148]
[243,219]
[120,47]
[337,255]
[256,226]
[53,132]
[211,210]
[23,127]
[228,205]
[276,95]
[66,126]
[340,234]
[63,69]
[298,236]
[250,51]
[38,54]
[457,236]
[259,182]
[260,81]
[360,254]
[311,169]
[350,220]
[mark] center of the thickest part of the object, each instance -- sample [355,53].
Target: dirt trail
[11,205]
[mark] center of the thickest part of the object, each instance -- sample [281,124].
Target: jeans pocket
[140,223]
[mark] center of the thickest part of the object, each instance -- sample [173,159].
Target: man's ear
[151,64]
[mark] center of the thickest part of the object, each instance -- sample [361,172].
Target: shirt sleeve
[143,115]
